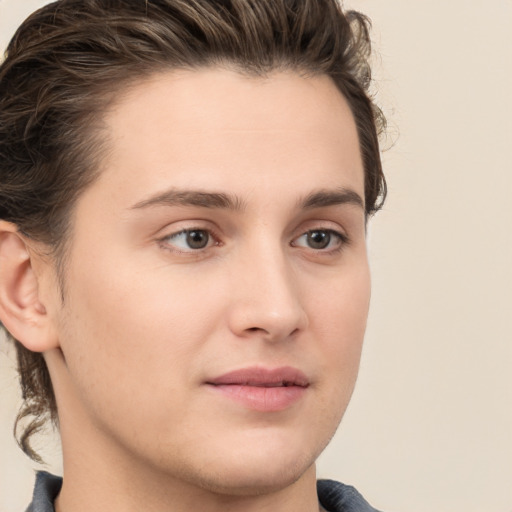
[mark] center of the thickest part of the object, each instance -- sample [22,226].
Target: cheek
[340,321]
[342,310]
[130,339]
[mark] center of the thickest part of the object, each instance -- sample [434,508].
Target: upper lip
[263,377]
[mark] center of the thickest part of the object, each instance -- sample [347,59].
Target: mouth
[282,384]
[262,389]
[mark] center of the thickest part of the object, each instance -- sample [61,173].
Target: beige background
[430,426]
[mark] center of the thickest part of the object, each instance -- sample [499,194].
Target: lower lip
[261,398]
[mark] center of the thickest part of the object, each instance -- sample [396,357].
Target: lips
[262,389]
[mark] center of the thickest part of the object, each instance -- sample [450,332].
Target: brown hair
[68,60]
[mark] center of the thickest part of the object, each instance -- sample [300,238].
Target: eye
[189,240]
[321,240]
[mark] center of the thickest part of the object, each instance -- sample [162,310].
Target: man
[185,188]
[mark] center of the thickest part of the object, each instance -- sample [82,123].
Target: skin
[147,320]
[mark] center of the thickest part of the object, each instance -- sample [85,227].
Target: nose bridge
[266,298]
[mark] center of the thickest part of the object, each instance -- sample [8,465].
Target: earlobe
[22,311]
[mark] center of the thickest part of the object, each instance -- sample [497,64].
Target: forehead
[208,128]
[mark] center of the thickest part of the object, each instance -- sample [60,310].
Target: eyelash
[164,241]
[342,238]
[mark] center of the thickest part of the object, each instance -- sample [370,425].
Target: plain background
[430,424]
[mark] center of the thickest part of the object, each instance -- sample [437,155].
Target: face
[217,285]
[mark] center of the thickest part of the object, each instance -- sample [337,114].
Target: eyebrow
[324,198]
[220,200]
[173,197]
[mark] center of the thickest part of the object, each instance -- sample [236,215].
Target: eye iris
[318,239]
[197,239]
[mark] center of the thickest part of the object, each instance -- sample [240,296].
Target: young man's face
[217,285]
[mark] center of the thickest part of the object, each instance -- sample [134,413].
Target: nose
[265,297]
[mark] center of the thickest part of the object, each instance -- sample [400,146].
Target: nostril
[260,330]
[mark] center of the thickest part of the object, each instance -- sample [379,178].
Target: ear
[22,311]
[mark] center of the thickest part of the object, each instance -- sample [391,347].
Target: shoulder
[45,491]
[338,497]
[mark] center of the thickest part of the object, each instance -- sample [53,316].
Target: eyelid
[216,239]
[337,234]
[164,240]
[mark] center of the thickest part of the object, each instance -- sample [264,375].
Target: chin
[252,481]
[255,469]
